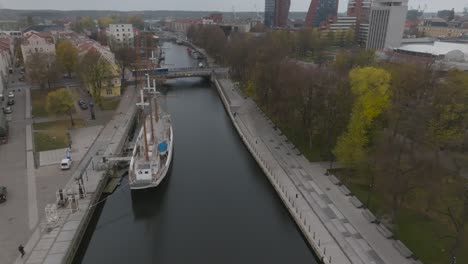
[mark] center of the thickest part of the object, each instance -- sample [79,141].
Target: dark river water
[215,206]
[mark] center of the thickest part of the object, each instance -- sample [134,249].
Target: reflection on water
[215,206]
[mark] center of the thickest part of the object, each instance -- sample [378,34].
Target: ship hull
[141,185]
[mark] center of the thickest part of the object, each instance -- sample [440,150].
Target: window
[118,35]
[123,34]
[109,91]
[128,29]
[117,30]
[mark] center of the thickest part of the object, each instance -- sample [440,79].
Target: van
[65,164]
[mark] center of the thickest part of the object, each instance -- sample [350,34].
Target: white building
[386,23]
[37,42]
[6,51]
[122,34]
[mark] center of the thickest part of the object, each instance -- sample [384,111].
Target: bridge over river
[162,74]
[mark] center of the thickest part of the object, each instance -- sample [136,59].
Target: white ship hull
[157,176]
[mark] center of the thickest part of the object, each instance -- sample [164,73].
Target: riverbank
[331,220]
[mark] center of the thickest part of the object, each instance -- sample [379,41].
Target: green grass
[53,135]
[421,233]
[38,98]
[110,103]
[44,141]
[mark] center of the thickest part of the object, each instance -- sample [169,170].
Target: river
[215,206]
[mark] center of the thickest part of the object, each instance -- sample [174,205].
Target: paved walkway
[334,226]
[83,137]
[51,246]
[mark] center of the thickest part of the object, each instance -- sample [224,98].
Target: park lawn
[110,103]
[38,102]
[422,234]
[38,98]
[53,135]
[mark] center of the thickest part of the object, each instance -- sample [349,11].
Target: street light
[91,110]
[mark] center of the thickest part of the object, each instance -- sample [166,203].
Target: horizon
[240,6]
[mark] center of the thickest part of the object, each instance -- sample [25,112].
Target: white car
[11,95]
[65,164]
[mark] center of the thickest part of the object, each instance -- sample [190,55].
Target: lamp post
[91,110]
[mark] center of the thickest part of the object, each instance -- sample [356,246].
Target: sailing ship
[152,154]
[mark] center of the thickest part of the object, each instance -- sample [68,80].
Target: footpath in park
[333,221]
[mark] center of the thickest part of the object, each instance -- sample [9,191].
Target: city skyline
[201,5]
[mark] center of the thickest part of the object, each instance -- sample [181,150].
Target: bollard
[329,260]
[314,233]
[324,250]
[296,195]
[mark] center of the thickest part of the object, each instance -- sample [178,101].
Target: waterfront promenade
[56,243]
[330,218]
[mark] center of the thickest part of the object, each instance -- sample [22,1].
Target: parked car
[11,102]
[82,104]
[3,194]
[11,94]
[65,164]
[7,110]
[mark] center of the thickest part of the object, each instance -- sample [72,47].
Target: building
[386,23]
[34,42]
[446,55]
[112,87]
[182,25]
[217,18]
[359,9]
[440,28]
[321,12]
[122,34]
[6,52]
[277,13]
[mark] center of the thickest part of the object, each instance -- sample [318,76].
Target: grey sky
[218,5]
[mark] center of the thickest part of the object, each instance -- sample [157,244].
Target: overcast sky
[217,5]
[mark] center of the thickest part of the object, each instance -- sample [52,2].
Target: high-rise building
[320,12]
[386,23]
[360,9]
[277,12]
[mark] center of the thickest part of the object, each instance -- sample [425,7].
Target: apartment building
[122,34]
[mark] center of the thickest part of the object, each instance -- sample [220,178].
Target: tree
[124,56]
[61,102]
[95,72]
[371,88]
[42,69]
[104,22]
[137,22]
[67,55]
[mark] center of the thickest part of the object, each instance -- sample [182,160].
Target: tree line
[398,129]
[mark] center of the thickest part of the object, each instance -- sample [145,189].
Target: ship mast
[143,104]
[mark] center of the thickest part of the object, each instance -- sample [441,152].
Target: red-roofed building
[37,42]
[112,87]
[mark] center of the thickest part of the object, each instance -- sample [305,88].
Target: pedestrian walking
[21,250]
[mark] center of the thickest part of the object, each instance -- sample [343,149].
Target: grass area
[110,103]
[424,233]
[53,135]
[38,98]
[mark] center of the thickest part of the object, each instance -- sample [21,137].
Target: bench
[334,180]
[404,251]
[384,231]
[345,190]
[369,216]
[355,201]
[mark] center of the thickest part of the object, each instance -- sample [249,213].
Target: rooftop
[437,48]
